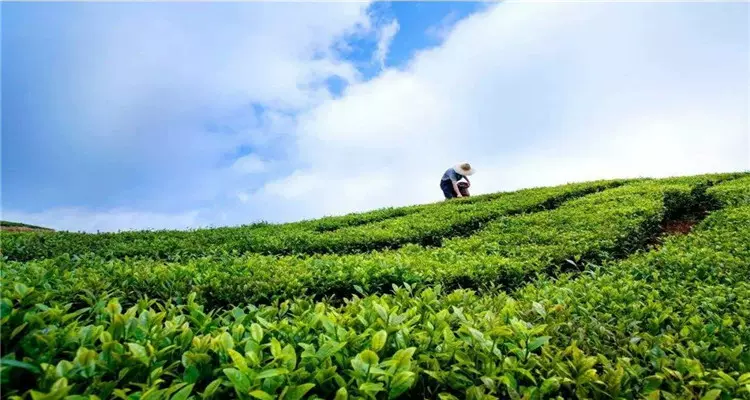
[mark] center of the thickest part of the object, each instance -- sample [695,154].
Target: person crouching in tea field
[450,184]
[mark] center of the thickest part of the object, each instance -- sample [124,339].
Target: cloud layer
[539,94]
[531,94]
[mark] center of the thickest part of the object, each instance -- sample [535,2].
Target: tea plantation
[584,290]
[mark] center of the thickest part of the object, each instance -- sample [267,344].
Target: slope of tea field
[10,226]
[575,291]
[388,228]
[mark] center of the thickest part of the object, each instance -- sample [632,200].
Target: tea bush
[732,193]
[670,323]
[590,310]
[383,228]
[507,252]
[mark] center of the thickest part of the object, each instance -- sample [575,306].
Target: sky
[124,116]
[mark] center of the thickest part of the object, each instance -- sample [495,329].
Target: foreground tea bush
[672,323]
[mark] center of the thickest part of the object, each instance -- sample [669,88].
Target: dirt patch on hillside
[670,228]
[22,229]
[680,227]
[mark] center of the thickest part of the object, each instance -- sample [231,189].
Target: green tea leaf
[379,339]
[328,349]
[183,394]
[191,374]
[270,373]
[239,380]
[58,391]
[712,394]
[371,387]
[342,394]
[212,387]
[238,360]
[369,357]
[401,383]
[226,341]
[538,342]
[297,392]
[652,382]
[256,332]
[21,289]
[139,353]
[382,312]
[275,348]
[6,362]
[259,394]
[290,357]
[6,308]
[17,330]
[550,385]
[539,309]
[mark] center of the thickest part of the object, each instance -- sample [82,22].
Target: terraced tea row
[665,324]
[508,252]
[428,225]
[731,193]
[173,245]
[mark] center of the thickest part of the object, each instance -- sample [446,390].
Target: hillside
[609,289]
[21,227]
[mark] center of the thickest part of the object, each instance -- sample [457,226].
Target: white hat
[464,168]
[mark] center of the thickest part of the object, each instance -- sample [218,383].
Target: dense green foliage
[172,244]
[668,322]
[354,219]
[428,224]
[507,251]
[732,193]
[680,330]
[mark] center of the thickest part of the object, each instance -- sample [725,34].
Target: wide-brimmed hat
[464,168]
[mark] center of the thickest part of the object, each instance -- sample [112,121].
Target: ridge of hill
[21,227]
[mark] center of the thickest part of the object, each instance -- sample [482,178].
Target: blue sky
[165,115]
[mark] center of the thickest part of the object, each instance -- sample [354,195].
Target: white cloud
[249,164]
[538,94]
[441,30]
[386,35]
[145,81]
[351,193]
[531,94]
[243,197]
[295,186]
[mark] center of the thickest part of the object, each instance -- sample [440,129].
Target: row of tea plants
[670,323]
[382,228]
[508,251]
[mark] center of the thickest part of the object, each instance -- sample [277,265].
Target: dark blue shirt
[451,175]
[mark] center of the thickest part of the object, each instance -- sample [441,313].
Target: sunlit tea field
[616,289]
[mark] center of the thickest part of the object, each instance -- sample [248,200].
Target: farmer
[450,181]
